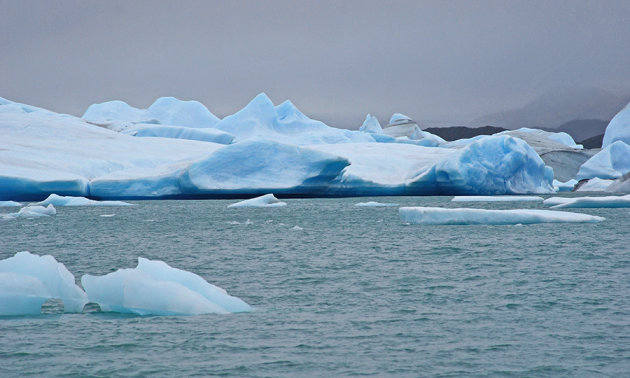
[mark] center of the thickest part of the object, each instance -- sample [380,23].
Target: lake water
[349,291]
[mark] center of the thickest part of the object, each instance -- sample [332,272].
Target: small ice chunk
[9,203]
[375,204]
[497,199]
[268,200]
[564,186]
[297,228]
[155,288]
[444,216]
[588,202]
[32,211]
[28,280]
[58,200]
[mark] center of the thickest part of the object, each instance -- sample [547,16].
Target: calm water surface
[337,290]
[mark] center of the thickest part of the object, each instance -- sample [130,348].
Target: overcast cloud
[336,60]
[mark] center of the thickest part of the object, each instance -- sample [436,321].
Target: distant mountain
[558,107]
[461,132]
[593,142]
[581,129]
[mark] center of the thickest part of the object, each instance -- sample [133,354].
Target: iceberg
[165,110]
[278,150]
[610,163]
[594,185]
[155,288]
[371,125]
[497,199]
[618,129]
[543,139]
[489,166]
[9,204]
[564,186]
[262,166]
[588,202]
[375,204]
[261,120]
[443,216]
[268,200]
[27,281]
[58,200]
[179,132]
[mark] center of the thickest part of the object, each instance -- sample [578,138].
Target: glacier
[27,281]
[268,200]
[269,149]
[588,202]
[155,288]
[466,216]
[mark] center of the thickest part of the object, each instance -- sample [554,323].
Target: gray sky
[336,60]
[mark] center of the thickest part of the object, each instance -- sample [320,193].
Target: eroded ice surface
[268,200]
[155,288]
[58,200]
[445,216]
[588,202]
[28,280]
[497,199]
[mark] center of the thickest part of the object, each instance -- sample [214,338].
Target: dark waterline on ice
[349,291]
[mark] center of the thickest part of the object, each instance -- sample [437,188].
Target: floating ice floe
[155,288]
[9,204]
[497,199]
[268,200]
[445,216]
[27,281]
[58,200]
[588,202]
[31,211]
[375,204]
